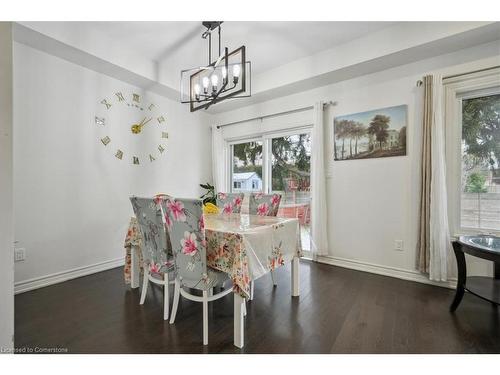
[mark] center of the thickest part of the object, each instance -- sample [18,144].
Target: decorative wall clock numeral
[123,111]
[120,97]
[105,140]
[105,102]
[100,121]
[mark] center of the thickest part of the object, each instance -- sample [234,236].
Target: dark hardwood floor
[338,311]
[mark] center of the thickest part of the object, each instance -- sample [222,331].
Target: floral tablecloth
[133,238]
[243,246]
[247,246]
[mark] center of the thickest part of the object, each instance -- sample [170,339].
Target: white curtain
[440,246]
[218,160]
[319,223]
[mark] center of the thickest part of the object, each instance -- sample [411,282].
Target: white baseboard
[59,277]
[378,269]
[399,273]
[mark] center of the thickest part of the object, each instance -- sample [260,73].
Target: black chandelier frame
[205,99]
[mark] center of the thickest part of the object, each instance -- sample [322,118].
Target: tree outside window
[480,162]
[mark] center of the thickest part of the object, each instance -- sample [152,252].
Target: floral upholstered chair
[264,204]
[230,203]
[156,248]
[185,223]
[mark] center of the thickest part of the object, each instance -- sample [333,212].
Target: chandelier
[228,76]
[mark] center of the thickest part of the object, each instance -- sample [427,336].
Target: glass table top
[242,222]
[482,242]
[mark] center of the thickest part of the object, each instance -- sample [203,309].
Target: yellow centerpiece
[210,208]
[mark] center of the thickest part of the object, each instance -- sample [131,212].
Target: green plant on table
[209,196]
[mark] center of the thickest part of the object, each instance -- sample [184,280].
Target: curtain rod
[302,109]
[420,82]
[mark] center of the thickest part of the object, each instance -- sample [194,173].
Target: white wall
[71,194]
[373,202]
[6,221]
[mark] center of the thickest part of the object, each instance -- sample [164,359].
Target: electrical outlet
[398,245]
[19,254]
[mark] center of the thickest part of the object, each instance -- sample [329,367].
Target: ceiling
[287,57]
[178,45]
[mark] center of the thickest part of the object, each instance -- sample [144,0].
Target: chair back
[156,248]
[187,232]
[230,203]
[264,204]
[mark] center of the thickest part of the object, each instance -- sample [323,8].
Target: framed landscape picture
[372,134]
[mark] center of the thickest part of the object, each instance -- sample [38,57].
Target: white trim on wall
[59,277]
[398,273]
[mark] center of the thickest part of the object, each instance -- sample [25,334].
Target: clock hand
[145,122]
[137,128]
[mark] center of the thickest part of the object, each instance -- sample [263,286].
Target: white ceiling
[152,54]
[178,45]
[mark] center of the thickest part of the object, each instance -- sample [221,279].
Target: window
[246,164]
[255,184]
[291,177]
[472,125]
[480,193]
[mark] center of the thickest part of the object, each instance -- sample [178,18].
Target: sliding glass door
[290,176]
[246,169]
[276,163]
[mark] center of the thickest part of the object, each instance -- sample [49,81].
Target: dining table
[246,247]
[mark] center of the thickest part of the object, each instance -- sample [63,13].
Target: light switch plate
[19,254]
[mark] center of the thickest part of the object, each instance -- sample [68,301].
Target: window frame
[269,139]
[266,138]
[456,89]
[229,168]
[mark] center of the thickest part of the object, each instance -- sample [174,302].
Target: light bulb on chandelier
[206,82]
[197,91]
[215,80]
[236,73]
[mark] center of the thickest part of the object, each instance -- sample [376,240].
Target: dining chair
[156,247]
[263,205]
[230,202]
[187,231]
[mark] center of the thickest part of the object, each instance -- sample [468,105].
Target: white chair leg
[205,317]
[166,298]
[272,277]
[251,290]
[177,292]
[145,283]
[244,307]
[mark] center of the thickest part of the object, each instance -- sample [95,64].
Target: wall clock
[132,127]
